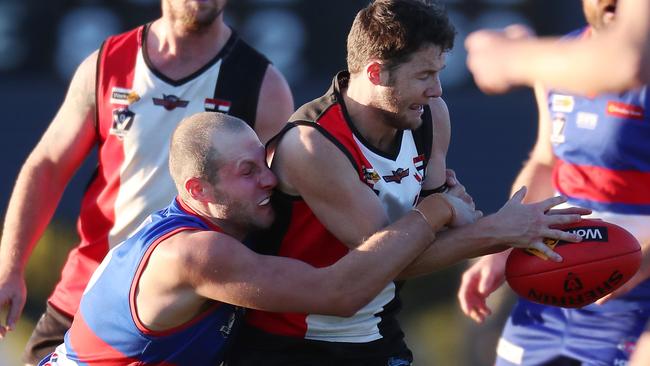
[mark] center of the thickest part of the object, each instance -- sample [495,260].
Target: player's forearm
[571,65]
[365,271]
[454,245]
[33,201]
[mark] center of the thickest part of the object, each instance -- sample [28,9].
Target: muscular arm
[616,60]
[41,181]
[275,105]
[180,277]
[309,165]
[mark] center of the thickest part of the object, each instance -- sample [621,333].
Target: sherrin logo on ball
[606,258]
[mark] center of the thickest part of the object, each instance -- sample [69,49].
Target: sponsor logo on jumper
[581,297]
[562,103]
[170,102]
[122,120]
[123,96]
[216,105]
[627,345]
[587,121]
[397,175]
[624,110]
[370,175]
[557,130]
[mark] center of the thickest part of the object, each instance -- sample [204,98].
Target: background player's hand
[457,189]
[487,52]
[641,275]
[480,280]
[527,225]
[12,298]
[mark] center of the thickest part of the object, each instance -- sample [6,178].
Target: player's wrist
[436,211]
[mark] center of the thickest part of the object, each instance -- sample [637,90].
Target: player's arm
[221,268]
[275,105]
[616,60]
[41,182]
[308,164]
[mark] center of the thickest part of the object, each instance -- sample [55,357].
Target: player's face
[599,13]
[410,86]
[195,15]
[243,189]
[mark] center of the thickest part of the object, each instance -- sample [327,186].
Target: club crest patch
[122,121]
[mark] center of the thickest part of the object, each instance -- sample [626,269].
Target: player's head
[400,46]
[599,13]
[193,15]
[218,163]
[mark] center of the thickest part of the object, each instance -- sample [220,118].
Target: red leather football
[606,258]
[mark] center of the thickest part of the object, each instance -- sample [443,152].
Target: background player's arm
[619,55]
[192,266]
[275,105]
[309,165]
[41,181]
[488,273]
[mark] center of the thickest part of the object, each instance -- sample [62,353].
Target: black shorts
[253,347]
[47,335]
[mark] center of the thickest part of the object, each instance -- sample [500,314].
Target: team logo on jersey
[562,103]
[627,345]
[170,102]
[587,121]
[123,96]
[624,110]
[418,161]
[370,175]
[557,129]
[397,176]
[122,120]
[217,105]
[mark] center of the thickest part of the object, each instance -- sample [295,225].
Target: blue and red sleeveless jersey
[601,144]
[107,331]
[603,163]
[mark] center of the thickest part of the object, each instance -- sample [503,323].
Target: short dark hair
[392,30]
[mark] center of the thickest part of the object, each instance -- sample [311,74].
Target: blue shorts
[545,335]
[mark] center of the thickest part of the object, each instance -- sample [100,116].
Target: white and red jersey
[396,178]
[138,108]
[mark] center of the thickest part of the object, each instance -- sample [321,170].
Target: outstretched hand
[523,225]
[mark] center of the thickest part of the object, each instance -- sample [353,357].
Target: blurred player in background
[620,57]
[126,99]
[594,150]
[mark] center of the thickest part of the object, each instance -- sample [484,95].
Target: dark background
[41,43]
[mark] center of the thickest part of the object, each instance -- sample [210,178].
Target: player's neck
[177,52]
[367,119]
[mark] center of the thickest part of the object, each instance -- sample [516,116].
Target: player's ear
[196,189]
[374,72]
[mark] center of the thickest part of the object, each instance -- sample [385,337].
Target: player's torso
[396,180]
[121,338]
[603,163]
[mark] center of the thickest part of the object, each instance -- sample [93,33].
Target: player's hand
[463,212]
[487,55]
[12,297]
[457,189]
[478,282]
[641,275]
[527,225]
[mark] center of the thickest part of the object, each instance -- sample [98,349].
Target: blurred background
[42,42]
